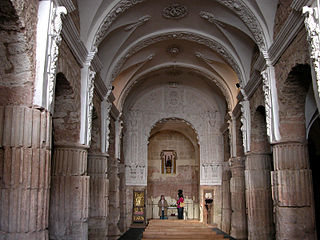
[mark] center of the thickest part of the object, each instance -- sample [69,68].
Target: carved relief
[173,50]
[311,22]
[248,17]
[246,124]
[267,100]
[118,9]
[174,11]
[90,102]
[211,18]
[55,33]
[140,22]
[141,117]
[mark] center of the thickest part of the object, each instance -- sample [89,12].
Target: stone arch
[292,99]
[259,137]
[66,116]
[221,85]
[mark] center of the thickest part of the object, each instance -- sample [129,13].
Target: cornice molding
[100,88]
[253,84]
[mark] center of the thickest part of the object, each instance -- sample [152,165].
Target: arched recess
[173,141]
[69,165]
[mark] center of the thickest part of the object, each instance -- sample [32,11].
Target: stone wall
[282,14]
[187,170]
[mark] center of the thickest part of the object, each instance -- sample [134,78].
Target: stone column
[99,191]
[122,186]
[259,197]
[25,160]
[238,202]
[114,199]
[69,193]
[226,200]
[292,191]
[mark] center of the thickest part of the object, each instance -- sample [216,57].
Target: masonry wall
[187,172]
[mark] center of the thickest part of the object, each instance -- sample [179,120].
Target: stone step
[179,229]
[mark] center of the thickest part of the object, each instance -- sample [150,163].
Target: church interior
[106,105]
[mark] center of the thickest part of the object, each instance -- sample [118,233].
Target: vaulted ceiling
[215,38]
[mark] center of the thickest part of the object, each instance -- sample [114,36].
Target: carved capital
[311,22]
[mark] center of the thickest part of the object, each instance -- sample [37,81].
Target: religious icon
[168,161]
[138,211]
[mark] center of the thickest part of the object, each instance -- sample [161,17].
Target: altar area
[191,210]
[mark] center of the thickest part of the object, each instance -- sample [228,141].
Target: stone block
[295,223]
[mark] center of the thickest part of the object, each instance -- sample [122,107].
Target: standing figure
[180,204]
[163,208]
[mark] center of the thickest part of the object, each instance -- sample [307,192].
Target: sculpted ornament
[174,11]
[118,9]
[267,100]
[248,17]
[311,22]
[90,102]
[211,18]
[55,33]
[140,22]
[245,128]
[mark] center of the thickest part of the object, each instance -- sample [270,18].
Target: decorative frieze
[311,22]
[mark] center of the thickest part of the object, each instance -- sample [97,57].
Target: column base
[43,235]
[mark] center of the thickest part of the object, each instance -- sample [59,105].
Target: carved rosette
[90,102]
[311,22]
[55,33]
[174,11]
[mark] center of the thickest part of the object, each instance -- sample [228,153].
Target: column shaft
[292,191]
[238,202]
[258,196]
[69,200]
[25,160]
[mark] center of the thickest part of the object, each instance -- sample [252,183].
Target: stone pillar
[114,199]
[99,191]
[259,197]
[25,159]
[238,202]
[292,191]
[69,197]
[123,223]
[226,201]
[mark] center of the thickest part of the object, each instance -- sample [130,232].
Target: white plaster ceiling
[216,37]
